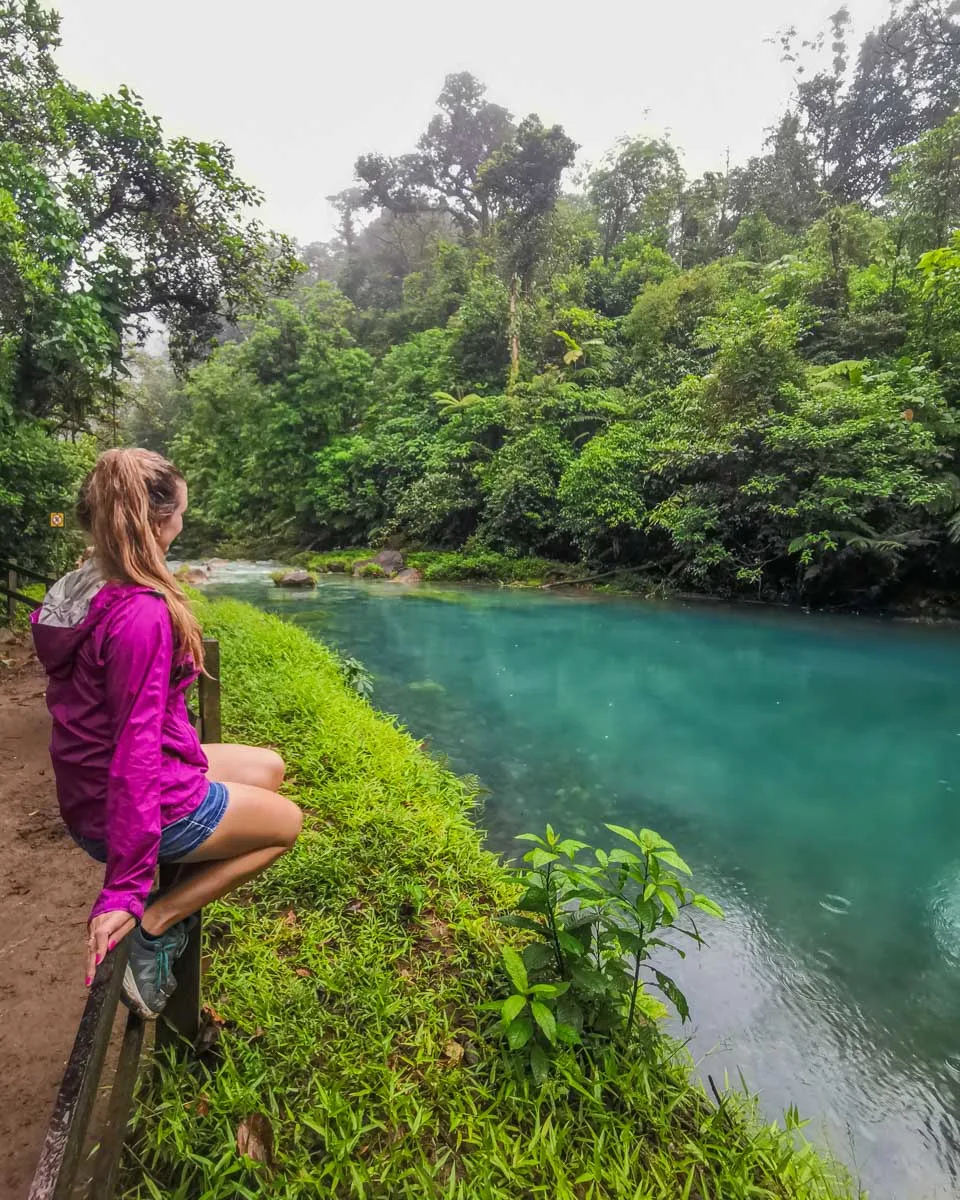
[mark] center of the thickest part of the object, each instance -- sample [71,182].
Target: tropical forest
[670,460]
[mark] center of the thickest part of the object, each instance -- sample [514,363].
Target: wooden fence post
[210,727]
[11,603]
[181,1017]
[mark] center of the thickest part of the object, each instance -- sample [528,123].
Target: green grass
[477,566]
[348,979]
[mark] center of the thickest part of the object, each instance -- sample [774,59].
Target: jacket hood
[72,610]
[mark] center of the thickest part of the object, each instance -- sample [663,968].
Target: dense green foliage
[586,976]
[107,228]
[347,985]
[740,384]
[743,383]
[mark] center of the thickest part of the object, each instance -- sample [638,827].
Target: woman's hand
[105,930]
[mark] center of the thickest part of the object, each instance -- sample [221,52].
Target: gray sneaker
[148,981]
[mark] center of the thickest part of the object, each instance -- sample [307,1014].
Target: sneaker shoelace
[162,962]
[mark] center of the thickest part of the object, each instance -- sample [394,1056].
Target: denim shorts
[183,836]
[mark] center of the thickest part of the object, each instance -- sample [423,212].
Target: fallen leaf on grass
[213,1016]
[355,906]
[290,918]
[200,1106]
[255,1138]
[304,972]
[452,1052]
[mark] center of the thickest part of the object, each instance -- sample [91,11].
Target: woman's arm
[138,655]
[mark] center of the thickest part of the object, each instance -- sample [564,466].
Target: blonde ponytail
[124,500]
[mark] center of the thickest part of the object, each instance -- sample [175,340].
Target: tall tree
[906,80]
[110,228]
[442,174]
[521,184]
[636,189]
[926,188]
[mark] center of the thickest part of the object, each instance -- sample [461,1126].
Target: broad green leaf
[625,856]
[673,859]
[519,1033]
[673,994]
[705,904]
[545,1019]
[540,858]
[623,832]
[513,1006]
[534,899]
[515,969]
[650,841]
[588,978]
[631,942]
[571,944]
[537,956]
[567,1034]
[570,847]
[668,902]
[539,1065]
[569,1012]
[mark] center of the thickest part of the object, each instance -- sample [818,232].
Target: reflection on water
[807,769]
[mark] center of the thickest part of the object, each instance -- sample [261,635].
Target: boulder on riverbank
[192,576]
[295,579]
[408,575]
[390,563]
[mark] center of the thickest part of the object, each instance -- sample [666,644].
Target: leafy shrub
[371,571]
[595,927]
[355,675]
[483,566]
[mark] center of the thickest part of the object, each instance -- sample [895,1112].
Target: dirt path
[46,888]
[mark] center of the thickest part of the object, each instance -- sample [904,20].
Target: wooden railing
[60,1159]
[14,576]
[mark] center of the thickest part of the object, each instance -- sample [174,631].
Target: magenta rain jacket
[126,758]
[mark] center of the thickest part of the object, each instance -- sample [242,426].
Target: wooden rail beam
[63,1144]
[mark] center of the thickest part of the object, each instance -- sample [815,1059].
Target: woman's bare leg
[255,765]
[257,827]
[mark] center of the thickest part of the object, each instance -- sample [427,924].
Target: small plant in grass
[596,926]
[371,571]
[355,675]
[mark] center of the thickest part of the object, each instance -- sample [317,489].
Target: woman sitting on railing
[121,646]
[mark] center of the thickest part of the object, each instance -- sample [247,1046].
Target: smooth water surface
[807,768]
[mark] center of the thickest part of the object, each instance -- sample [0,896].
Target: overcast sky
[299,88]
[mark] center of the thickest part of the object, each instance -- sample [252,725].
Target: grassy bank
[478,566]
[348,980]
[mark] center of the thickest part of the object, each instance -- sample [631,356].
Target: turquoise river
[808,768]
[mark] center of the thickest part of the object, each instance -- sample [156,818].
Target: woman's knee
[273,767]
[256,766]
[292,823]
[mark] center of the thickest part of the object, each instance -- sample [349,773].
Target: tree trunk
[514,335]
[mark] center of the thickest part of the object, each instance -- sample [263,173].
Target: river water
[807,768]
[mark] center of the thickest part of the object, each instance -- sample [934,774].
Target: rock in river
[295,579]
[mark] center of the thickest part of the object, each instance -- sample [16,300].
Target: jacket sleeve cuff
[110,901]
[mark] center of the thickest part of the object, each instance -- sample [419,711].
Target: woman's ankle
[153,923]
